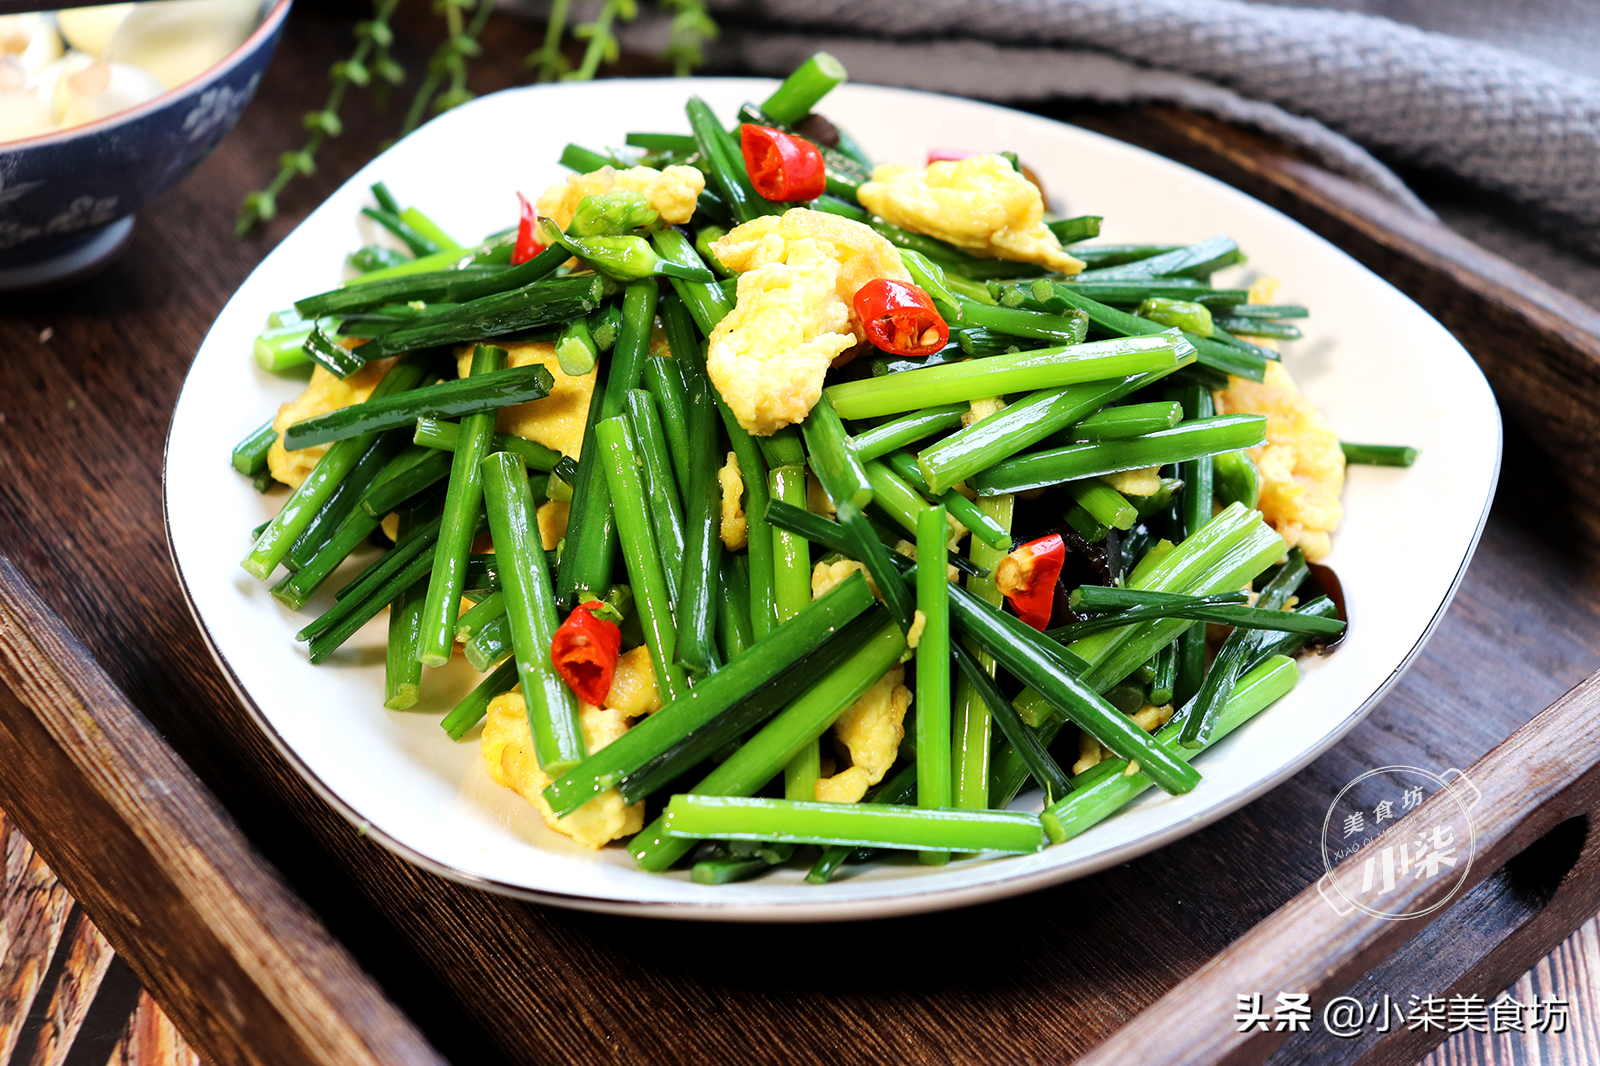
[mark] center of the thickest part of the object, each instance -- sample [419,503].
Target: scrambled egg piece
[978,410]
[1090,751]
[1144,482]
[507,747]
[1302,466]
[1264,290]
[870,732]
[325,393]
[508,750]
[673,192]
[919,623]
[980,204]
[735,527]
[798,273]
[553,515]
[633,686]
[556,421]
[827,576]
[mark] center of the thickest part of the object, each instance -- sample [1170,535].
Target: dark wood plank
[162,869]
[490,980]
[152,1040]
[1544,777]
[33,911]
[1570,973]
[88,957]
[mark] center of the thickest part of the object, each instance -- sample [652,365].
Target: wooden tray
[273,932]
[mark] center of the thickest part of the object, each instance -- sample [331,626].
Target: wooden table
[385,960]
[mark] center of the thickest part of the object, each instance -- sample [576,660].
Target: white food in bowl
[29,40]
[51,86]
[23,111]
[178,39]
[122,55]
[89,29]
[102,89]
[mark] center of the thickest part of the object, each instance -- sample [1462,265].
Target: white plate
[1377,365]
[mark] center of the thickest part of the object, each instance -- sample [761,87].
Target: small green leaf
[326,121]
[466,45]
[353,71]
[262,204]
[378,33]
[439,66]
[301,162]
[452,98]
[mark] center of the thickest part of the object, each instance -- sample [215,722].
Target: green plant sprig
[603,45]
[262,205]
[692,27]
[449,61]
[389,73]
[548,62]
[373,67]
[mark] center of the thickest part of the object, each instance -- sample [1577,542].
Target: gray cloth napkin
[1338,83]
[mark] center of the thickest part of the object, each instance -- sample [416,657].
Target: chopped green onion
[463,503]
[463,396]
[933,669]
[1104,503]
[282,349]
[1069,230]
[800,92]
[907,429]
[1019,372]
[1201,437]
[832,458]
[402,674]
[531,610]
[250,454]
[1120,423]
[871,825]
[1236,478]
[435,433]
[1378,454]
[472,708]
[640,551]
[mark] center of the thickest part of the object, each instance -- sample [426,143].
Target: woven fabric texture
[1505,122]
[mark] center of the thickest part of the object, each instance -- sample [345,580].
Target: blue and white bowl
[67,198]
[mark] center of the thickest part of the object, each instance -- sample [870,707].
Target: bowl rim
[269,24]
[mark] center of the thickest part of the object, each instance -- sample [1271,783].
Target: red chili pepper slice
[782,168]
[949,155]
[900,318]
[1028,576]
[585,651]
[527,245]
